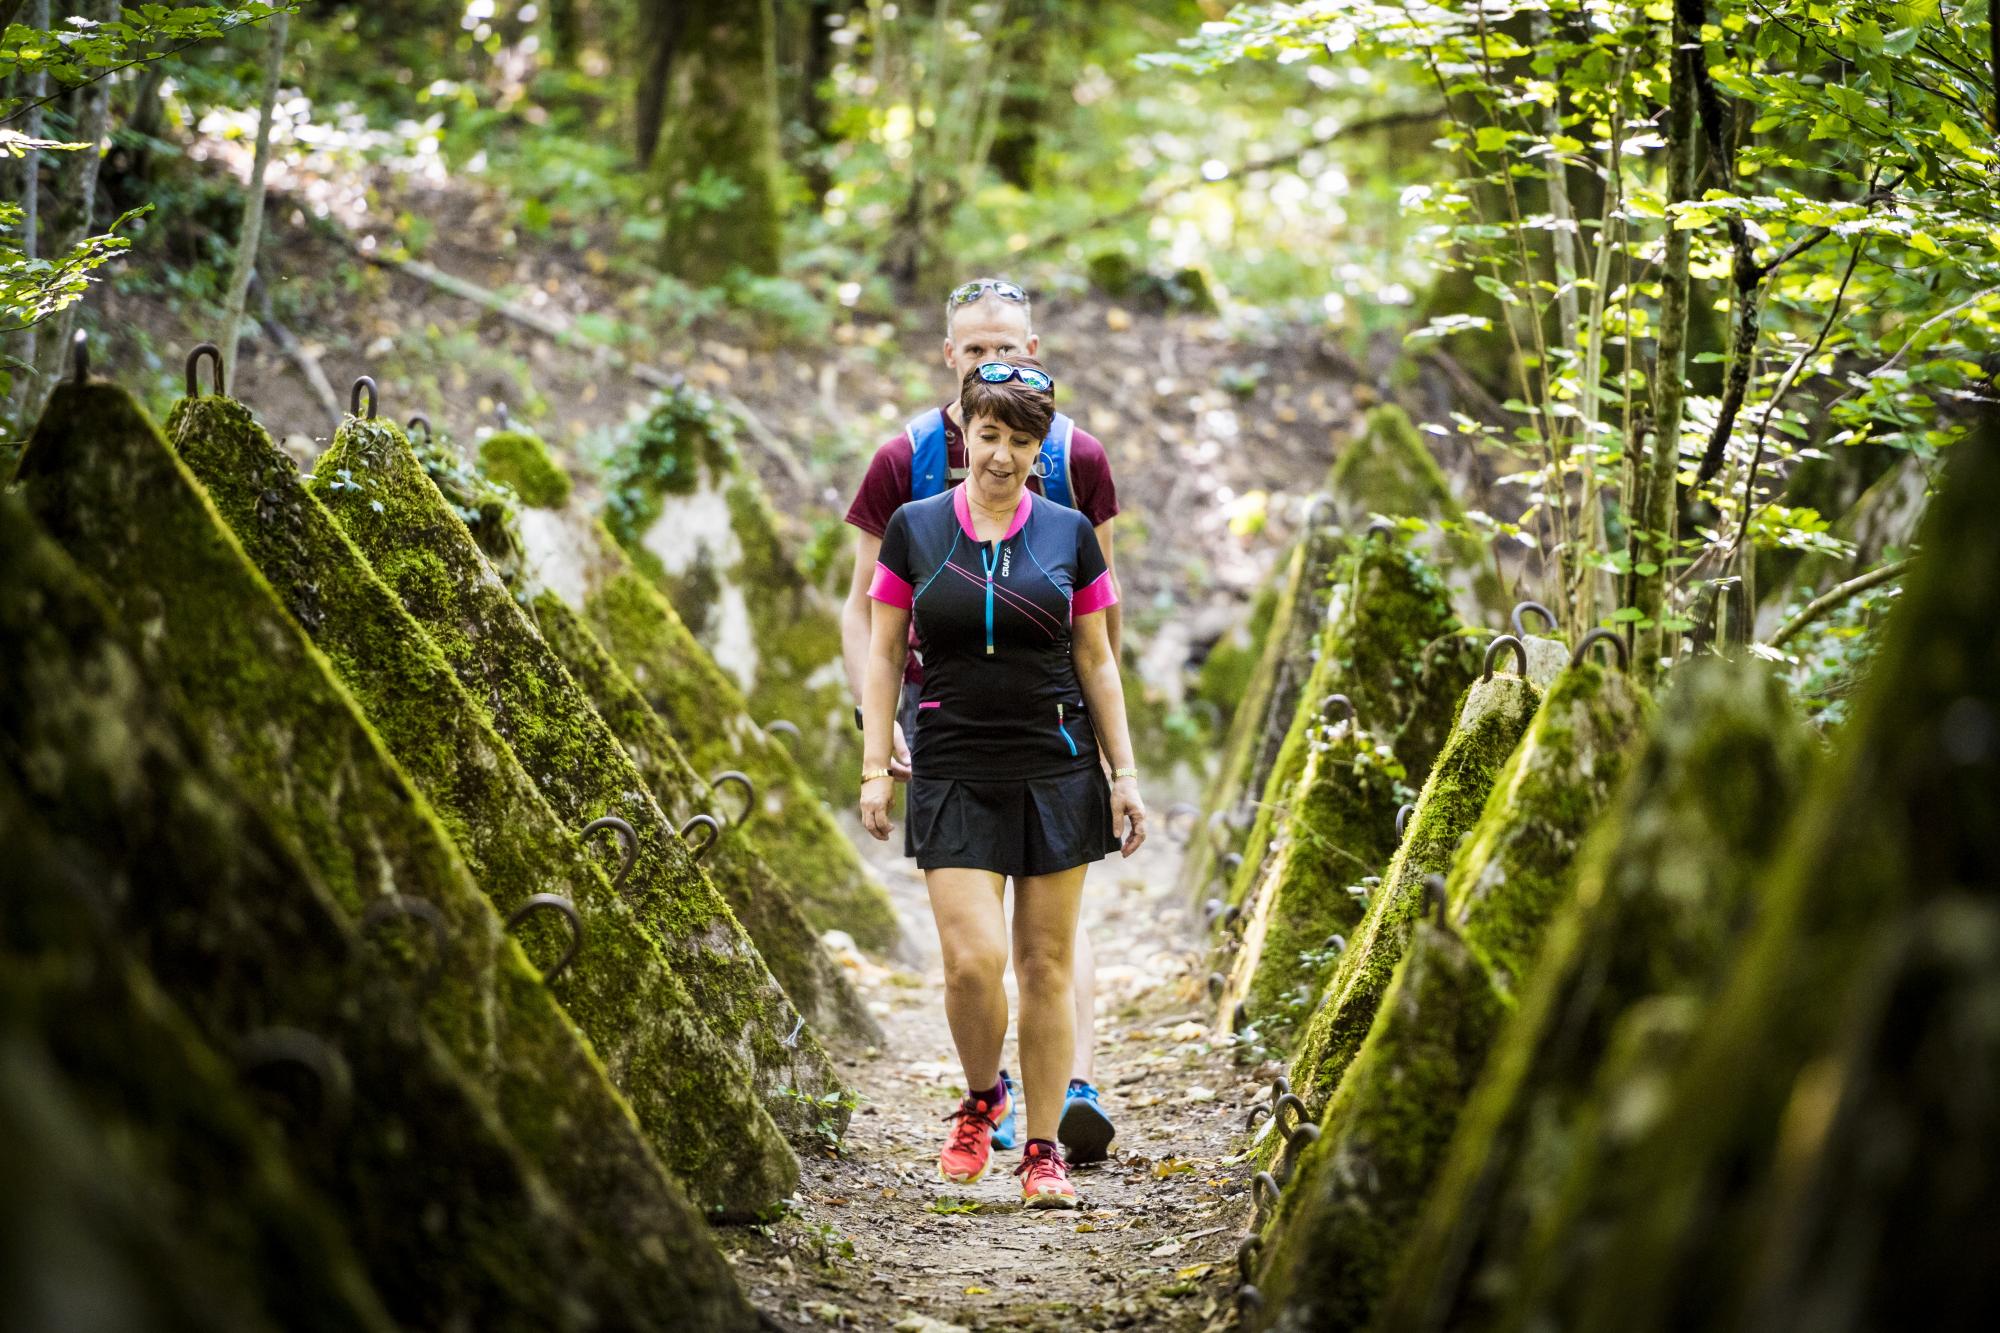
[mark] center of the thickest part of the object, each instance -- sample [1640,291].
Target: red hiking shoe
[1045,1177]
[968,1149]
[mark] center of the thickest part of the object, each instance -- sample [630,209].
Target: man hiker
[986,320]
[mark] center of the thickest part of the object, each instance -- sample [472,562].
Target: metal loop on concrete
[1263,1185]
[1379,528]
[1403,813]
[1521,630]
[1216,983]
[193,367]
[1239,1017]
[709,822]
[1230,915]
[418,419]
[557,903]
[1595,637]
[625,836]
[417,909]
[79,358]
[778,726]
[1337,943]
[1249,1297]
[354,398]
[1257,1112]
[1305,1132]
[741,779]
[1341,701]
[1247,1251]
[1289,1102]
[1434,898]
[1493,651]
[295,1048]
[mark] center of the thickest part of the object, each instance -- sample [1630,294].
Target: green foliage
[79,49]
[685,434]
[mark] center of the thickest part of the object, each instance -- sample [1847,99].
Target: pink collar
[962,505]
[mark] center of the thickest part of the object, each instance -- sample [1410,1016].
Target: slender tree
[253,202]
[36,88]
[93,125]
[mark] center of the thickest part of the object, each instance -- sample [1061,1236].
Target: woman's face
[999,458]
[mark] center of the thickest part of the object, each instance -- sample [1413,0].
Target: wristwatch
[857,718]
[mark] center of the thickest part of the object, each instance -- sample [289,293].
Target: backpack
[931,473]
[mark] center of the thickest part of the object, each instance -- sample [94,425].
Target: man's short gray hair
[988,288]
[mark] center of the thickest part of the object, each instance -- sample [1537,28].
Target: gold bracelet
[870,774]
[1124,773]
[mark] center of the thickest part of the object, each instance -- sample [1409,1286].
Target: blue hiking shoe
[1007,1134]
[1085,1132]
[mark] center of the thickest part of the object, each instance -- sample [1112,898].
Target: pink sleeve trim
[1100,594]
[891,588]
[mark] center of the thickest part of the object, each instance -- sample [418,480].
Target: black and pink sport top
[1000,694]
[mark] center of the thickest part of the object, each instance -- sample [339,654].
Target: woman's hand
[1128,810]
[876,794]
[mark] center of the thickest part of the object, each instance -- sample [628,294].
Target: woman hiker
[1020,689]
[987,319]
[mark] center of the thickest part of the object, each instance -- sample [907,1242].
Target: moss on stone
[809,974]
[695,520]
[620,991]
[453,1220]
[424,553]
[1518,867]
[521,461]
[1386,470]
[1626,968]
[1339,828]
[1841,1086]
[123,1129]
[1492,719]
[1355,1194]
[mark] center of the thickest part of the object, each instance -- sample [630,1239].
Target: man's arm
[856,615]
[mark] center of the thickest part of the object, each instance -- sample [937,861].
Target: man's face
[989,329]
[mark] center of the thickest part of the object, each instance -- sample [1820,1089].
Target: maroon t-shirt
[885,488]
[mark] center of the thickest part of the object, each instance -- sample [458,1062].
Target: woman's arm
[888,642]
[1104,693]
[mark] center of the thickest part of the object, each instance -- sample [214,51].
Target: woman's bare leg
[972,934]
[1045,911]
[1084,981]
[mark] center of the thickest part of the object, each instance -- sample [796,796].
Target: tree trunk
[716,161]
[31,196]
[93,122]
[253,203]
[1652,535]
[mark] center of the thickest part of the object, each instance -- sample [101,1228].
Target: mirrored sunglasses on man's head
[999,372]
[967,293]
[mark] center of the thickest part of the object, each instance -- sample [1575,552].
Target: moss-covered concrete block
[1339,829]
[1392,646]
[1832,1158]
[1518,868]
[696,521]
[1625,972]
[454,1220]
[1354,1195]
[521,461]
[376,490]
[572,554]
[1270,698]
[817,984]
[1387,470]
[143,1189]
[694,1101]
[1494,715]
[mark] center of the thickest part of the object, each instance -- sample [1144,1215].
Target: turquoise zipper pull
[1064,730]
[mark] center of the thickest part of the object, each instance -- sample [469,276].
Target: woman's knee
[1047,966]
[974,963]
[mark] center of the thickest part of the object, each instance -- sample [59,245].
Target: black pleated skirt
[1029,826]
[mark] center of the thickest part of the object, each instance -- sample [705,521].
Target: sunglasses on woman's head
[967,293]
[999,372]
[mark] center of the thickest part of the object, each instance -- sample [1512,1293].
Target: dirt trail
[879,1244]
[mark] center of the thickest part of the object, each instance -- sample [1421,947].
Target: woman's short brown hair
[1011,403]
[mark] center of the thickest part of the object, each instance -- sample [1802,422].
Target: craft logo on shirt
[1006,560]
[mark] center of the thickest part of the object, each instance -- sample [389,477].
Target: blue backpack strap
[1055,457]
[930,461]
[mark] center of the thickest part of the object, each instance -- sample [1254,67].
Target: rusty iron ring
[1597,636]
[778,726]
[742,779]
[1521,630]
[1434,898]
[1305,1130]
[1379,526]
[1233,862]
[1211,910]
[1403,813]
[625,835]
[272,1046]
[418,419]
[1280,1086]
[1230,914]
[1261,1184]
[1337,943]
[194,357]
[1288,1101]
[417,909]
[1239,1017]
[1341,699]
[1257,1112]
[354,398]
[556,902]
[1216,983]
[1493,650]
[79,358]
[709,822]
[1248,1295]
[1247,1250]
